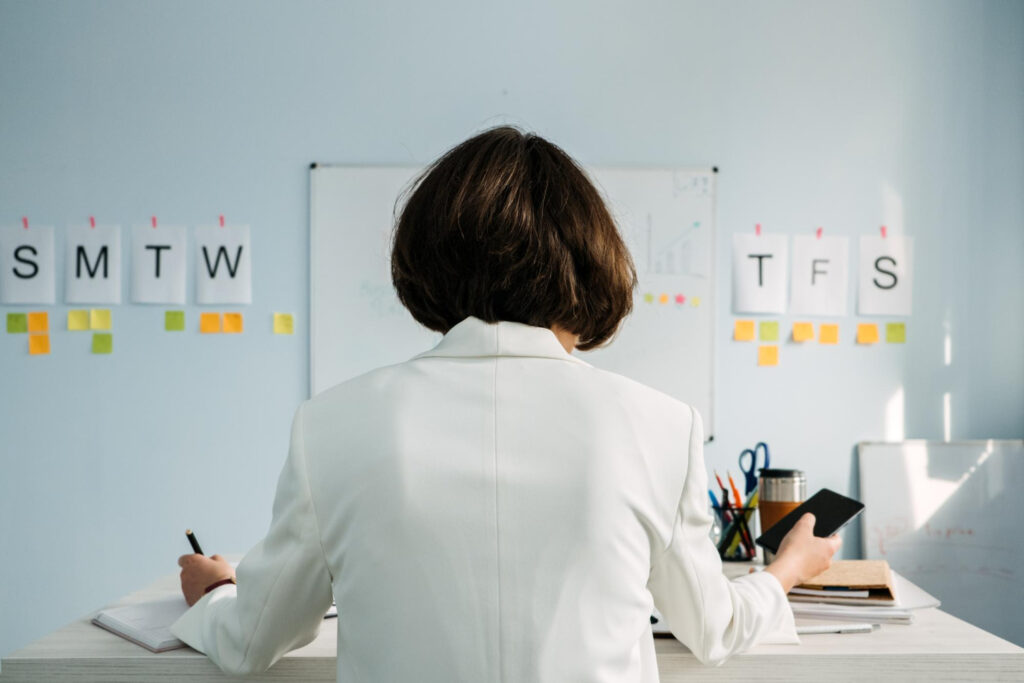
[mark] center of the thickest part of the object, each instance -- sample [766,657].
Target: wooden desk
[937,647]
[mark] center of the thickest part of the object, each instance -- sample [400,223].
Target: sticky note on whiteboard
[17,323]
[233,323]
[896,333]
[284,323]
[803,332]
[743,330]
[99,319]
[39,322]
[209,323]
[102,342]
[769,330]
[867,333]
[768,355]
[174,321]
[38,344]
[78,320]
[828,333]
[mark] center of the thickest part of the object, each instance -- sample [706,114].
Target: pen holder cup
[734,533]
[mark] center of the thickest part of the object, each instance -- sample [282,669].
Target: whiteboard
[666,217]
[948,517]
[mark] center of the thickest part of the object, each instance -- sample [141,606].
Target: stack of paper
[893,604]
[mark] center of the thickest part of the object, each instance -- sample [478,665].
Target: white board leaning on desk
[948,517]
[666,217]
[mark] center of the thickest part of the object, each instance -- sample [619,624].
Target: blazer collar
[475,338]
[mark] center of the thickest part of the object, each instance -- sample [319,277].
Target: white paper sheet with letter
[223,265]
[759,265]
[885,275]
[820,275]
[27,271]
[158,264]
[92,265]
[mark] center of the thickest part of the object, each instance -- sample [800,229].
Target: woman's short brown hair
[506,226]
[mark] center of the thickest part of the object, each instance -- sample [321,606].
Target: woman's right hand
[802,555]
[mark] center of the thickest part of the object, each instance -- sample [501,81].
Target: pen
[735,491]
[195,544]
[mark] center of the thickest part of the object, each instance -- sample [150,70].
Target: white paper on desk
[146,623]
[911,596]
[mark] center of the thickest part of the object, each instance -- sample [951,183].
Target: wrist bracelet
[218,584]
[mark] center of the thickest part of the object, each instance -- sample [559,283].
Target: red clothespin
[222,220]
[24,222]
[92,222]
[153,221]
[883,232]
[818,231]
[757,229]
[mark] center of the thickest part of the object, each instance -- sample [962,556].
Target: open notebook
[149,623]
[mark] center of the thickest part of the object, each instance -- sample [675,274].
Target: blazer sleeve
[284,585]
[710,614]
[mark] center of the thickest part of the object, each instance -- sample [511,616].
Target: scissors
[750,473]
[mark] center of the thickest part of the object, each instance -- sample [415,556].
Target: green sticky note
[769,330]
[174,321]
[895,333]
[17,323]
[102,342]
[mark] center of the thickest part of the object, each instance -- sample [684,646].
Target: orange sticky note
[767,355]
[743,330]
[867,333]
[828,333]
[803,332]
[39,322]
[38,344]
[663,299]
[233,323]
[209,323]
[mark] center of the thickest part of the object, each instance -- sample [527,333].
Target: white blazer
[494,509]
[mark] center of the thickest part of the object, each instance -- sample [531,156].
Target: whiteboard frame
[708,415]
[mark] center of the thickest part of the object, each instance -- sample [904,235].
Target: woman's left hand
[200,571]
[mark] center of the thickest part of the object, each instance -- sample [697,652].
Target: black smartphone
[832,512]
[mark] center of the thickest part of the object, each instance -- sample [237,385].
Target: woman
[495,509]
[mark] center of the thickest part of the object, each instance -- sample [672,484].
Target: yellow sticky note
[38,322]
[99,319]
[896,333]
[768,355]
[209,323]
[803,332]
[743,330]
[769,330]
[38,344]
[233,323]
[284,323]
[78,320]
[695,301]
[828,333]
[867,333]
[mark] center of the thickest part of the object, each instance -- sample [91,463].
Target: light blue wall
[188,110]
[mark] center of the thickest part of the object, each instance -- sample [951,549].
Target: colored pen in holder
[736,537]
